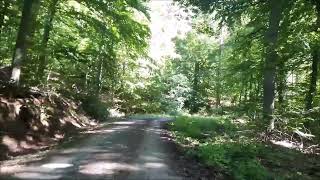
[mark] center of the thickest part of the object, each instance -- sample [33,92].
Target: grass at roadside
[236,150]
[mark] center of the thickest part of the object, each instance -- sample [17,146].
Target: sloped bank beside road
[35,121]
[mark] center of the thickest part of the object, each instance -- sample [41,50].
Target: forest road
[128,149]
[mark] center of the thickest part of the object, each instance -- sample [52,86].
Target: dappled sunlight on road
[37,175]
[56,165]
[121,125]
[106,167]
[122,150]
[124,123]
[154,165]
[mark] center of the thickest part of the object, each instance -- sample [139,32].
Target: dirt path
[130,149]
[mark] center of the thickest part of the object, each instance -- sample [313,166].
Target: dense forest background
[258,57]
[85,48]
[254,64]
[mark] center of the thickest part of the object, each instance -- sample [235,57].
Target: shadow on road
[129,149]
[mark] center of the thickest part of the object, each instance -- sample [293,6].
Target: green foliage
[84,47]
[178,91]
[219,146]
[240,160]
[95,108]
[237,152]
[202,127]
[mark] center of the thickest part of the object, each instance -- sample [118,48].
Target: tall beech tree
[315,53]
[271,61]
[22,40]
[231,12]
[48,25]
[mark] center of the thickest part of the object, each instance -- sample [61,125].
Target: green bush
[219,147]
[202,127]
[250,169]
[237,159]
[95,108]
[236,150]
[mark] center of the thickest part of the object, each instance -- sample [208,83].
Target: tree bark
[281,84]
[313,79]
[218,86]
[315,52]
[34,23]
[245,92]
[240,95]
[99,76]
[21,42]
[271,39]
[218,80]
[251,88]
[194,103]
[45,39]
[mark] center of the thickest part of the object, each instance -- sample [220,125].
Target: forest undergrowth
[234,146]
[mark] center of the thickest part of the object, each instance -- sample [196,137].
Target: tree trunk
[316,3]
[251,88]
[218,86]
[271,38]
[21,42]
[240,95]
[86,80]
[315,62]
[258,91]
[218,80]
[313,79]
[281,84]
[99,76]
[34,23]
[45,39]
[194,103]
[245,92]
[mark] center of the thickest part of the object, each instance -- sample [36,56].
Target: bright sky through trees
[167,21]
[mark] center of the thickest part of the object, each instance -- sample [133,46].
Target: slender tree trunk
[240,96]
[257,91]
[4,10]
[251,88]
[99,76]
[21,42]
[194,103]
[245,92]
[34,23]
[271,38]
[281,84]
[45,38]
[315,62]
[218,84]
[313,79]
[124,65]
[86,80]
[218,80]
[316,3]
